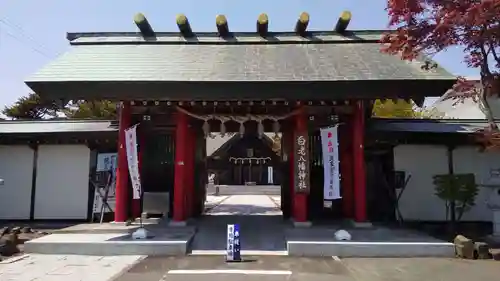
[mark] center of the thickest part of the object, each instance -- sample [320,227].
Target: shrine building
[182,86]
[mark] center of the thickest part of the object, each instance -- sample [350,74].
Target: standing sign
[106,162]
[301,159]
[233,247]
[330,148]
[132,160]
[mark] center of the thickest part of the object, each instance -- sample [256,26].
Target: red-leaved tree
[430,26]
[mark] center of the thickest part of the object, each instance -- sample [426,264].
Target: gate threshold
[243,253]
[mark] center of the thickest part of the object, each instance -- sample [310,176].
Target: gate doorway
[245,188]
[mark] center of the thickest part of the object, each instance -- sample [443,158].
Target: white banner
[133,161]
[330,148]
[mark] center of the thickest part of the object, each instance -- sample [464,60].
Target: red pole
[189,176]
[121,191]
[290,141]
[136,203]
[346,168]
[358,154]
[181,132]
[300,199]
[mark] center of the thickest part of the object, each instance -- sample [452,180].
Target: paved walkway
[261,225]
[34,267]
[266,268]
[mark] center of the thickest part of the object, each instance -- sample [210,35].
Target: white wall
[418,201]
[62,182]
[467,159]
[16,169]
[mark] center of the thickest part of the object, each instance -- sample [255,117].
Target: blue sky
[32,32]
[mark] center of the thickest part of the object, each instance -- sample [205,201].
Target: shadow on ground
[257,232]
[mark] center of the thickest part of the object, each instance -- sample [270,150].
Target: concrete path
[65,267]
[264,268]
[261,226]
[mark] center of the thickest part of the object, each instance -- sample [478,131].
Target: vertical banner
[233,248]
[270,172]
[301,159]
[330,148]
[133,161]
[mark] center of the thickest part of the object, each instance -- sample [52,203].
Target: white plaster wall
[418,201]
[62,182]
[16,169]
[467,159]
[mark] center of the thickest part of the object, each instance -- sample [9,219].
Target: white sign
[270,179]
[133,161]
[106,162]
[330,148]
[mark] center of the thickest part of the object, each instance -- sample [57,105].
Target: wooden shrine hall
[182,86]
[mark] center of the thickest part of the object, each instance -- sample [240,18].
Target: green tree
[32,107]
[391,109]
[29,107]
[91,110]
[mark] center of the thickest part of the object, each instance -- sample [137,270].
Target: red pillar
[181,133]
[290,142]
[136,203]
[122,175]
[190,149]
[346,168]
[358,155]
[300,199]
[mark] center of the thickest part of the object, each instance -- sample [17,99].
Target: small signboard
[301,159]
[233,243]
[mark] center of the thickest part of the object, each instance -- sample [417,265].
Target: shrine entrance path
[262,229]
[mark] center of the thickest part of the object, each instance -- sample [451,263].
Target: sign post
[233,248]
[301,159]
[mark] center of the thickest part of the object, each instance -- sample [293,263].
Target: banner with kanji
[330,148]
[133,161]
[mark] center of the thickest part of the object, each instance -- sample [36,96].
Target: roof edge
[74,35]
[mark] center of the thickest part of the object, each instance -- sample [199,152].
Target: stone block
[482,251]
[464,247]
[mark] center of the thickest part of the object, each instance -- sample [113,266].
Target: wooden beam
[184,26]
[343,22]
[262,24]
[301,25]
[222,26]
[142,23]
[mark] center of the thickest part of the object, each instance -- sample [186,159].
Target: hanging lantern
[276,128]
[206,128]
[242,129]
[260,129]
[222,128]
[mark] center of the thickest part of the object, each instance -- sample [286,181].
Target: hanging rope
[223,118]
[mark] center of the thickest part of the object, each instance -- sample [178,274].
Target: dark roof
[427,125]
[98,63]
[230,141]
[56,126]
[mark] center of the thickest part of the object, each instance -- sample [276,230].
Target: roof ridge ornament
[183,25]
[343,22]
[302,23]
[263,24]
[142,23]
[222,25]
